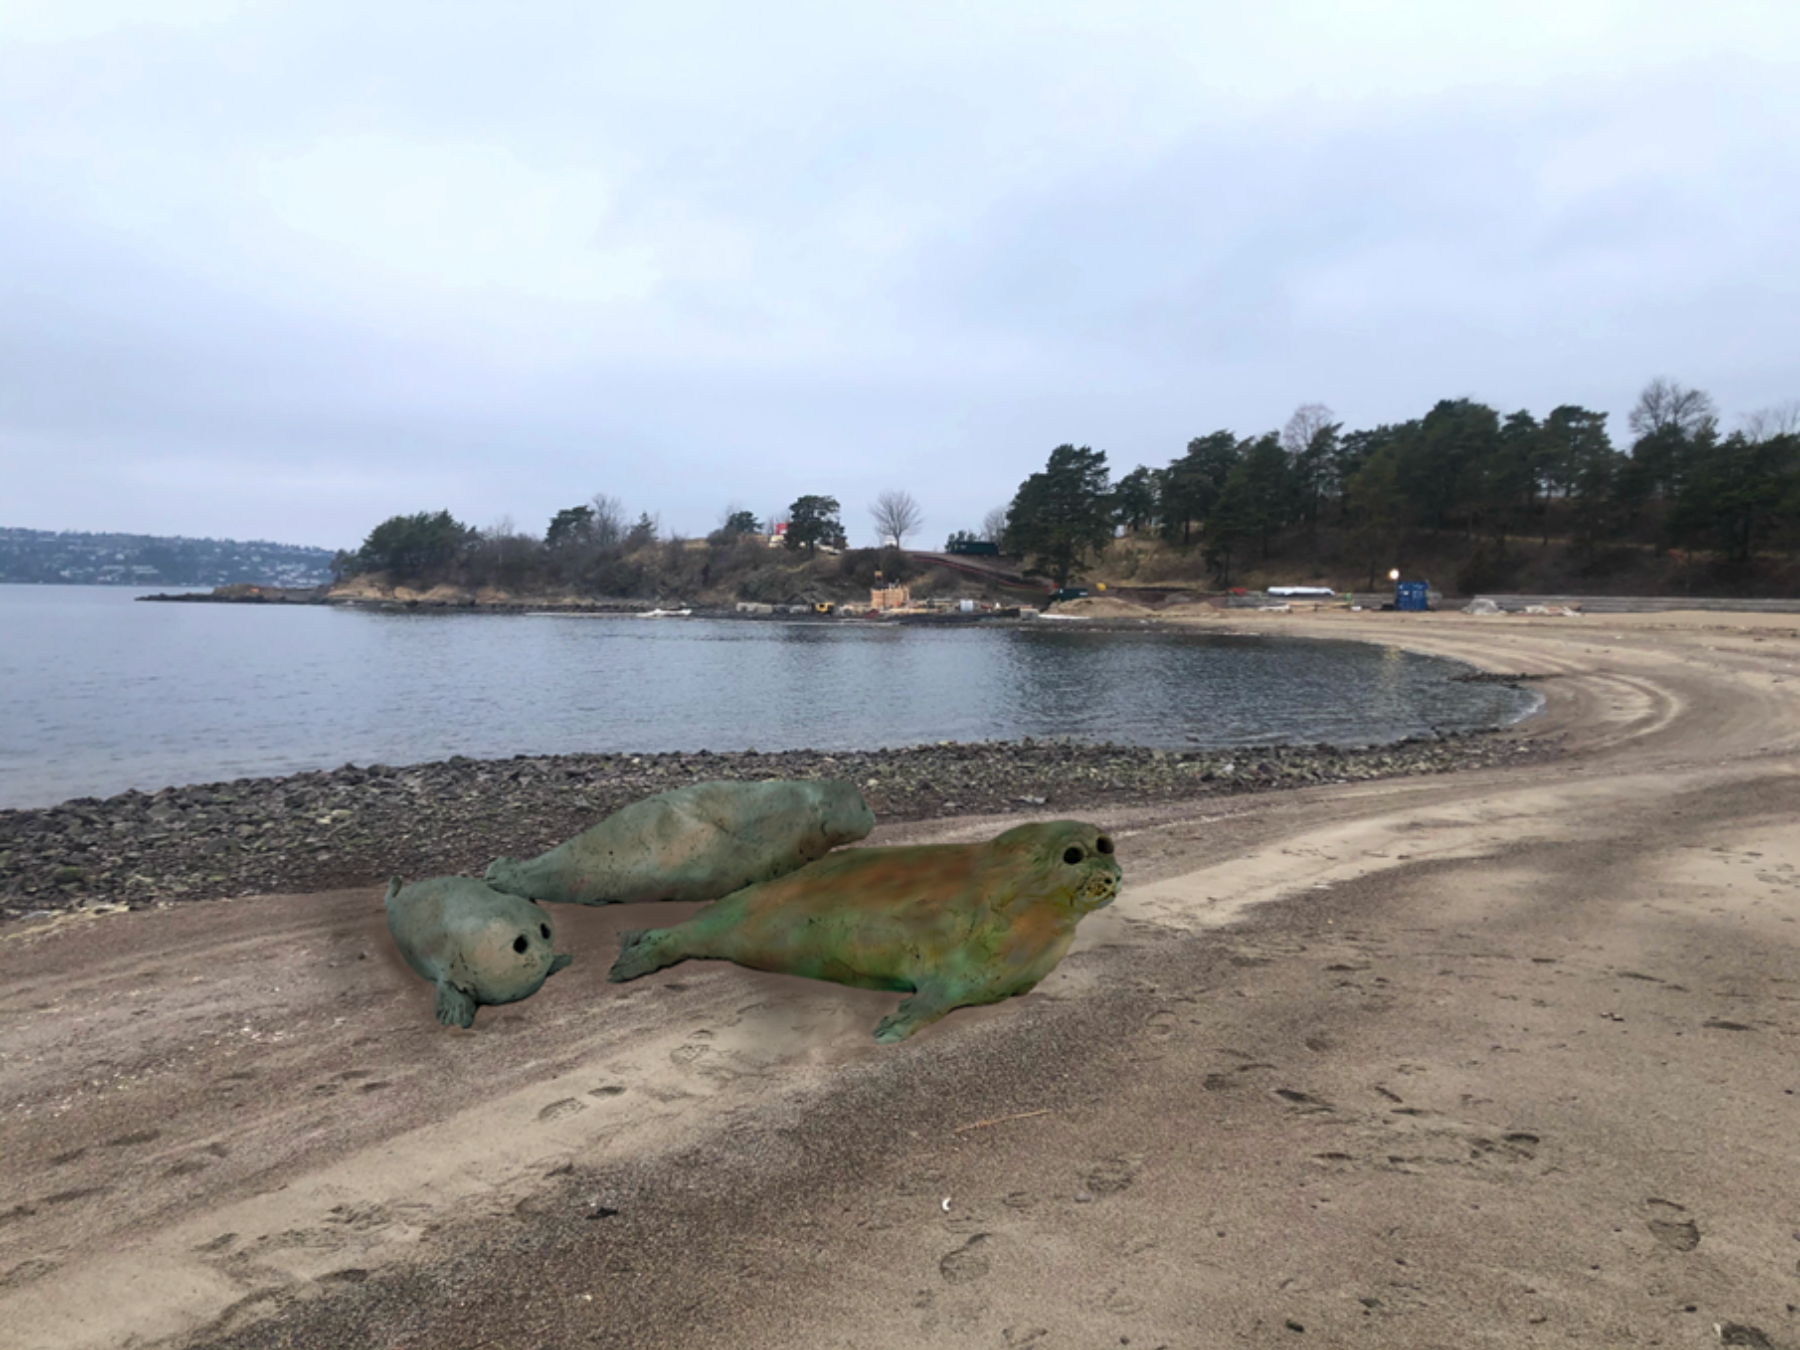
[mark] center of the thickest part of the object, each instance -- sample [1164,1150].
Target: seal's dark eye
[1072,854]
[544,928]
[520,943]
[1104,845]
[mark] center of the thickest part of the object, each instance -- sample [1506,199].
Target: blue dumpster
[1410,595]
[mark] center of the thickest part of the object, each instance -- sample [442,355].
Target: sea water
[99,694]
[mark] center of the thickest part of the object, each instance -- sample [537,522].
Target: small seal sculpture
[693,843]
[475,944]
[956,924]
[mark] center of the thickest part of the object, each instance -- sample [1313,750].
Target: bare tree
[896,516]
[1766,424]
[993,525]
[1665,404]
[609,523]
[505,553]
[1308,421]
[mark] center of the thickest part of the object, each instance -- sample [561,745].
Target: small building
[890,597]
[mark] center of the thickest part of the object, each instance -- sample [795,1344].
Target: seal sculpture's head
[956,924]
[1065,863]
[475,944]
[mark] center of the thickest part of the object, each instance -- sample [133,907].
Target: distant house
[777,539]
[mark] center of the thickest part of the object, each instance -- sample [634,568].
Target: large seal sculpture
[693,843]
[475,944]
[956,924]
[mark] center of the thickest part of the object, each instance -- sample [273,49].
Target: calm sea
[99,694]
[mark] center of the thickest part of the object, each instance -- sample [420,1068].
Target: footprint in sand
[968,1262]
[684,1055]
[360,1217]
[610,1090]
[1162,1025]
[1515,1147]
[1304,1103]
[1737,1333]
[130,1140]
[32,1268]
[1111,1175]
[560,1110]
[70,1196]
[1677,1234]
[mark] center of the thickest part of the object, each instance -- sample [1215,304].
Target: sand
[1497,1058]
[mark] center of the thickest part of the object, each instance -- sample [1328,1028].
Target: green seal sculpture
[955,924]
[476,945]
[693,843]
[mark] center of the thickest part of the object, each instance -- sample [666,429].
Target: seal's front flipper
[560,963]
[921,1010]
[640,952]
[454,1008]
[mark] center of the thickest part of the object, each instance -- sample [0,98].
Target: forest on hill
[1481,494]
[1475,499]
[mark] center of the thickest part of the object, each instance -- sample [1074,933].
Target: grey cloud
[235,302]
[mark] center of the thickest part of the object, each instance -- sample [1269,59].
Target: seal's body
[475,944]
[956,924]
[693,843]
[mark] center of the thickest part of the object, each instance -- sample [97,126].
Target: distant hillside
[68,558]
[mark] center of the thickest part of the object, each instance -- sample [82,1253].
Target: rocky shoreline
[357,826]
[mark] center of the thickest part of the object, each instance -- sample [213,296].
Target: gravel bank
[357,826]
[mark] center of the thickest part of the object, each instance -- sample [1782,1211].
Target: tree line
[1463,468]
[595,546]
[1680,483]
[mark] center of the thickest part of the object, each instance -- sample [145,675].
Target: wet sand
[1504,1057]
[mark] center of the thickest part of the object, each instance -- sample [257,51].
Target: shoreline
[356,826]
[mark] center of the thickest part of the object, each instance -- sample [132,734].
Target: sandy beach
[1504,1057]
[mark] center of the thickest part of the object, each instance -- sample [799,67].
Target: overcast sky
[281,270]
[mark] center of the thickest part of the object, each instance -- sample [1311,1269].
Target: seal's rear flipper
[454,1008]
[640,952]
